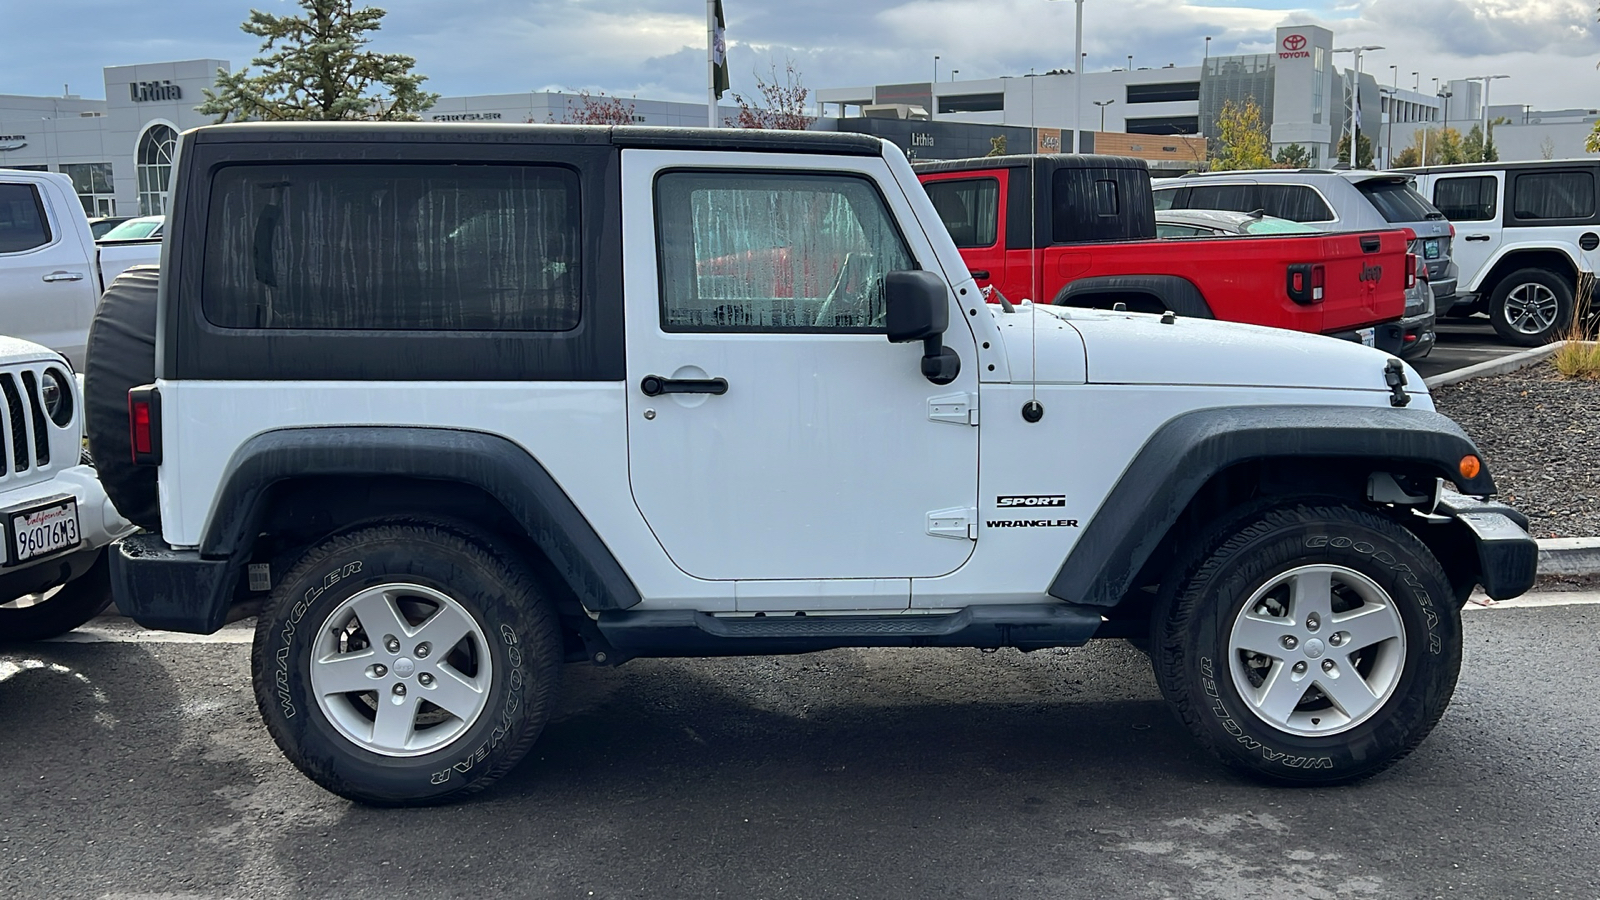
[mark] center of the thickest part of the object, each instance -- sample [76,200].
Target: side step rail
[633,633]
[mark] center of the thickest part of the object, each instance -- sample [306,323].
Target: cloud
[1476,28]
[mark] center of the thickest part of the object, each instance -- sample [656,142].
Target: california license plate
[1369,336]
[43,530]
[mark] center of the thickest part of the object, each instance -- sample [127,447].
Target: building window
[154,164]
[1163,125]
[1319,63]
[1174,92]
[92,181]
[959,103]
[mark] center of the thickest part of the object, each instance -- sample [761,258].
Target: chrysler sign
[1294,47]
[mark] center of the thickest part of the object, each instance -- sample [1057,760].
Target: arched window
[154,160]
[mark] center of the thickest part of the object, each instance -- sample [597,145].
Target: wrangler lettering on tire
[1303,644]
[406,663]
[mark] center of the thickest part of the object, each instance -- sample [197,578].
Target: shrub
[1579,357]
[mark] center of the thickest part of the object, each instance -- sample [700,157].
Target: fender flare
[1185,452]
[499,467]
[1177,293]
[1566,248]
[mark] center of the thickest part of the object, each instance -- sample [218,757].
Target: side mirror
[917,308]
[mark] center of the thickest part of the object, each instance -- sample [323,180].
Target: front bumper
[99,524]
[1507,557]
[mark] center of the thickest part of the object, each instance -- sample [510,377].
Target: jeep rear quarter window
[754,251]
[1100,204]
[1553,195]
[393,247]
[969,209]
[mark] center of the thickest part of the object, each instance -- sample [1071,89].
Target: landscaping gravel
[1541,437]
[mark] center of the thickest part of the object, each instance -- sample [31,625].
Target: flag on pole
[719,51]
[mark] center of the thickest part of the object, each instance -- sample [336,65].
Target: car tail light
[144,425]
[1411,271]
[1306,282]
[1452,229]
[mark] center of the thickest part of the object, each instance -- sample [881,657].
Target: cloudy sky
[656,48]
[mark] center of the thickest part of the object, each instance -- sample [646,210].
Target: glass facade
[154,164]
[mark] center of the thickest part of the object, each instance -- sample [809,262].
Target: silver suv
[1328,200]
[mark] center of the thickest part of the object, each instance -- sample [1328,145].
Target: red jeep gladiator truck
[1079,230]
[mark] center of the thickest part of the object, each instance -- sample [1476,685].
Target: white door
[47,282]
[820,460]
[1473,204]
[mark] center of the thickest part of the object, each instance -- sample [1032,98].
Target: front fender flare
[1185,452]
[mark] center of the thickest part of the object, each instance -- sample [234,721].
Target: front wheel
[1531,307]
[406,664]
[1309,644]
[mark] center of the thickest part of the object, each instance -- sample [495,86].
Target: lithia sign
[143,91]
[13,141]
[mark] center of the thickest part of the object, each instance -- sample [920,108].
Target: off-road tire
[498,593]
[121,355]
[1202,599]
[73,604]
[1531,281]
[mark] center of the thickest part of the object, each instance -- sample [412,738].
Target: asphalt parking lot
[1462,343]
[139,769]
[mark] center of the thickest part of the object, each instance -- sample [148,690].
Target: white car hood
[1137,348]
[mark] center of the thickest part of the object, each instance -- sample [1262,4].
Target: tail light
[1411,270]
[1306,282]
[144,425]
[1452,229]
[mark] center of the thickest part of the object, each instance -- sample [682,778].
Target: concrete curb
[1521,360]
[1569,556]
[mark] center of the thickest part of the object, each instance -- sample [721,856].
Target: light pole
[1077,77]
[1416,81]
[1130,62]
[1103,104]
[954,73]
[1388,131]
[1208,46]
[933,90]
[1486,79]
[1355,102]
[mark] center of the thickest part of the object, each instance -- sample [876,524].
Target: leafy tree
[1293,156]
[997,146]
[597,109]
[1472,147]
[1410,156]
[783,104]
[1592,143]
[317,66]
[1443,145]
[1363,151]
[1241,138]
[1547,148]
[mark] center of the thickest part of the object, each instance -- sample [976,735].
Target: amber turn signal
[1470,466]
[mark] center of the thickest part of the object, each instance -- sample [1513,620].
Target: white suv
[468,402]
[1528,236]
[55,520]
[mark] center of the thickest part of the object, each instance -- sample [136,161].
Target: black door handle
[1477,237]
[980,273]
[655,385]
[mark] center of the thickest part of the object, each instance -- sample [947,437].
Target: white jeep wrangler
[474,401]
[55,519]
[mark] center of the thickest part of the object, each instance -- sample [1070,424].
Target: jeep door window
[758,251]
[1398,202]
[393,247]
[969,209]
[23,225]
[1295,202]
[1466,199]
[1553,195]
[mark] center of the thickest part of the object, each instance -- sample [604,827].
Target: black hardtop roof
[1024,160]
[1497,166]
[627,136]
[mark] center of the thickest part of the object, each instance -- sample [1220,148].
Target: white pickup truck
[51,271]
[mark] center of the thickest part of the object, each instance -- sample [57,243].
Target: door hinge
[957,409]
[960,523]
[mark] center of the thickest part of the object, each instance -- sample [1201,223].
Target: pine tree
[1293,156]
[1363,151]
[1241,138]
[317,66]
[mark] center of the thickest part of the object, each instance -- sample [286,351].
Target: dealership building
[1304,99]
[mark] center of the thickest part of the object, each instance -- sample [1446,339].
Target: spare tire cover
[122,355]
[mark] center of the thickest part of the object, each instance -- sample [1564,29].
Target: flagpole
[711,63]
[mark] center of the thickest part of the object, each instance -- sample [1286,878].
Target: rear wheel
[406,664]
[1531,307]
[1309,644]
